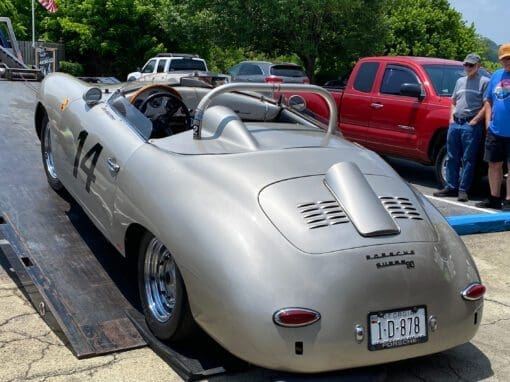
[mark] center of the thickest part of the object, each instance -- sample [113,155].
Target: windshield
[287,71]
[128,112]
[149,67]
[444,77]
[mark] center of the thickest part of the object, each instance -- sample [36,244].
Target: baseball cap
[504,51]
[473,58]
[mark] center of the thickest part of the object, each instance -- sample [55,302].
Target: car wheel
[162,292]
[440,167]
[47,157]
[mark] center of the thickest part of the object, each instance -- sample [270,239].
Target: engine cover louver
[328,212]
[322,213]
[400,208]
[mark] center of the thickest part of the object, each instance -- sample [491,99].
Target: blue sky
[491,17]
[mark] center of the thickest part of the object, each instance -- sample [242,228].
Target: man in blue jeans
[465,130]
[497,142]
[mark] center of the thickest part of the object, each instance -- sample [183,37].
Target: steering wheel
[160,105]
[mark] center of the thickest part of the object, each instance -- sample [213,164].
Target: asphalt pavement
[30,351]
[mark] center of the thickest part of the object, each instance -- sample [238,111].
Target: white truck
[166,66]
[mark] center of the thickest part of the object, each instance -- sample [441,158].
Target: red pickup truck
[397,106]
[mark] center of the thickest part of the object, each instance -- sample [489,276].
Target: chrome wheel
[48,154]
[440,167]
[162,292]
[160,285]
[47,147]
[443,169]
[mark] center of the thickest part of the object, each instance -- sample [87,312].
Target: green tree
[20,13]
[490,49]
[113,37]
[321,33]
[429,28]
[109,37]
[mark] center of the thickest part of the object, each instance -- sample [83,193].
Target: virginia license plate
[393,328]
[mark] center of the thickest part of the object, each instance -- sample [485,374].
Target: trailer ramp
[91,327]
[81,279]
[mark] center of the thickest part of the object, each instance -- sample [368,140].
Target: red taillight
[306,81]
[295,317]
[473,292]
[273,79]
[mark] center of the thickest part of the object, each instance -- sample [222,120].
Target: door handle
[113,167]
[376,105]
[411,129]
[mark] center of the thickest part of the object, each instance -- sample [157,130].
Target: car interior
[161,111]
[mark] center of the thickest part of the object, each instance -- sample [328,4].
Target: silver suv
[263,71]
[168,64]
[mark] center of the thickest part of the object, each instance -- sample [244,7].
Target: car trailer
[80,285]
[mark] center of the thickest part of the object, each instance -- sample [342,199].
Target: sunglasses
[467,64]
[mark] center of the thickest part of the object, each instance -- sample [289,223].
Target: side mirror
[297,102]
[411,90]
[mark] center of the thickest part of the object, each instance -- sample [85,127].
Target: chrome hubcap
[159,280]
[48,154]
[443,169]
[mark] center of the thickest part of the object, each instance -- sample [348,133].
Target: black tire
[47,158]
[440,167]
[163,297]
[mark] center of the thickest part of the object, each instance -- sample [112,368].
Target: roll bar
[241,86]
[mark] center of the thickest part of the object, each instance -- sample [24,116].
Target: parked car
[100,80]
[294,248]
[262,71]
[397,106]
[169,63]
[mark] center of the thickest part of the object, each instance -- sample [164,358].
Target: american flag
[50,5]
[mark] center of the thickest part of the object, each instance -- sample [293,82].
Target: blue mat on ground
[480,223]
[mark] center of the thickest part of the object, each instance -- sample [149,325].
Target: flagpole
[33,25]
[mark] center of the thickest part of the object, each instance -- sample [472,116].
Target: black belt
[462,121]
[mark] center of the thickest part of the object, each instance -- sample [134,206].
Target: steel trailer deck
[51,241]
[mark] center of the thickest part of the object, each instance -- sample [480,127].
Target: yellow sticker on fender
[64,104]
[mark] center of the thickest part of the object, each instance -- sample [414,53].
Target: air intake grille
[322,214]
[400,208]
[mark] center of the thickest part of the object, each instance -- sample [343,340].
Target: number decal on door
[92,154]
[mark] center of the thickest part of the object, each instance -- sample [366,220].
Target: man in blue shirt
[465,130]
[497,141]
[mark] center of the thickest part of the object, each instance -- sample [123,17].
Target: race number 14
[92,154]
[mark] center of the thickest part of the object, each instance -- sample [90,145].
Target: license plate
[394,328]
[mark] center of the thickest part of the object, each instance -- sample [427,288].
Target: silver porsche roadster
[293,248]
